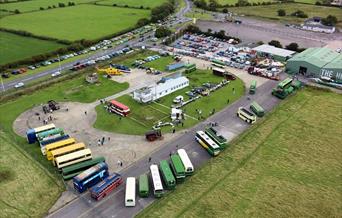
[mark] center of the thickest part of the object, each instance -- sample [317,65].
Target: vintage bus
[158,189]
[217,63]
[118,108]
[257,109]
[130,192]
[50,140]
[58,145]
[73,158]
[100,190]
[90,177]
[206,142]
[169,179]
[73,170]
[144,189]
[66,150]
[177,167]
[218,139]
[46,134]
[31,134]
[246,115]
[252,87]
[189,168]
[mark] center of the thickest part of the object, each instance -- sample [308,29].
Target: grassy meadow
[134,3]
[144,116]
[15,47]
[78,22]
[233,2]
[287,165]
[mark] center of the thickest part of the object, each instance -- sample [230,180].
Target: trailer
[153,135]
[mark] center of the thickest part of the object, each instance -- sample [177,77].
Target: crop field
[144,116]
[270,11]
[78,22]
[15,47]
[287,165]
[134,3]
[26,189]
[35,5]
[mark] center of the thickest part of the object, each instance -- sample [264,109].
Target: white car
[18,85]
[57,73]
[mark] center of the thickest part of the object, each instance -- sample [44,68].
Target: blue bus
[103,188]
[90,177]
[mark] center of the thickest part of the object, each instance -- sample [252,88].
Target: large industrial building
[317,62]
[278,54]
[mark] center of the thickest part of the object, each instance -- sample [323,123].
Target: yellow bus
[57,145]
[73,158]
[66,150]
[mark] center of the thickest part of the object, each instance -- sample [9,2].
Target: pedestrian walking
[99,142]
[170,154]
[120,118]
[38,117]
[108,138]
[228,101]
[177,146]
[149,159]
[85,112]
[67,109]
[120,164]
[182,124]
[174,130]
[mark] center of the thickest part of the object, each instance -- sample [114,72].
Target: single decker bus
[144,189]
[130,192]
[58,145]
[169,179]
[189,168]
[73,158]
[257,109]
[218,139]
[252,87]
[246,115]
[100,190]
[66,150]
[73,170]
[206,142]
[90,177]
[31,134]
[177,167]
[158,189]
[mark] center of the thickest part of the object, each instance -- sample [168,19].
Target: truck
[153,135]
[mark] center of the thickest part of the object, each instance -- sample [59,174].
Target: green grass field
[144,116]
[232,2]
[27,6]
[15,47]
[199,14]
[307,1]
[78,22]
[270,11]
[134,3]
[287,165]
[26,189]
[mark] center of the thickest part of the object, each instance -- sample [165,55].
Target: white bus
[158,190]
[73,158]
[246,115]
[206,142]
[130,192]
[189,168]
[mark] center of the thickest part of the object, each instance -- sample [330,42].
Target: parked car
[18,85]
[5,75]
[57,73]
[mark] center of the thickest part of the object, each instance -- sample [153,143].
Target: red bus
[103,188]
[118,108]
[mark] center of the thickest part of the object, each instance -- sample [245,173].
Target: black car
[5,75]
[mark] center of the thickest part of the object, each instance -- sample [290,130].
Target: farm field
[232,2]
[270,11]
[15,47]
[27,190]
[134,3]
[34,5]
[199,14]
[144,116]
[78,22]
[286,165]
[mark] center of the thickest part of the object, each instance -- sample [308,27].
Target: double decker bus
[100,190]
[58,145]
[31,134]
[73,158]
[246,115]
[90,177]
[169,179]
[218,139]
[252,87]
[207,143]
[257,109]
[73,170]
[217,63]
[189,168]
[158,189]
[177,167]
[66,150]
[144,189]
[118,108]
[130,192]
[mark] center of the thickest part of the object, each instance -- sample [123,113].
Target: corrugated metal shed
[269,49]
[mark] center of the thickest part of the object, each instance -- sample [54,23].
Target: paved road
[113,205]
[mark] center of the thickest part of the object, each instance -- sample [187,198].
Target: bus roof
[212,144]
[143,182]
[102,185]
[60,143]
[81,165]
[67,149]
[90,171]
[285,82]
[254,83]
[184,158]
[212,133]
[130,187]
[120,105]
[177,163]
[73,155]
[157,184]
[165,168]
[257,106]
[49,132]
[219,69]
[44,128]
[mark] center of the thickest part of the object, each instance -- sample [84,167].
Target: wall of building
[294,66]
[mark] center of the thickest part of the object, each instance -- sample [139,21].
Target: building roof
[274,50]
[321,26]
[318,57]
[336,63]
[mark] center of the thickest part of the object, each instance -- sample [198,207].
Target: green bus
[285,83]
[45,134]
[144,189]
[177,167]
[217,63]
[71,171]
[189,68]
[252,88]
[257,109]
[219,139]
[167,175]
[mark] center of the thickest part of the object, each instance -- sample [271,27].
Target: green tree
[162,32]
[292,46]
[330,20]
[275,43]
[225,10]
[142,22]
[61,5]
[16,11]
[281,12]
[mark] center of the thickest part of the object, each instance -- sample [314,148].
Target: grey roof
[274,50]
